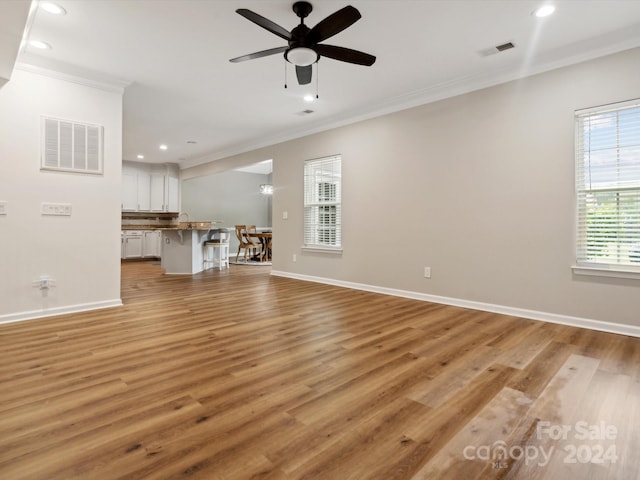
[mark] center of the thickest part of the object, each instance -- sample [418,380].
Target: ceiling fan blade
[346,55]
[304,74]
[264,23]
[333,24]
[263,53]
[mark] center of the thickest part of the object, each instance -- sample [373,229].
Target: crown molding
[61,71]
[560,58]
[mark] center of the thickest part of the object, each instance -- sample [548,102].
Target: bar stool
[216,250]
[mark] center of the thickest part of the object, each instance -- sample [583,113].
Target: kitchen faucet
[184,213]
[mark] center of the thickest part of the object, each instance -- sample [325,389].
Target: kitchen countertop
[179,226]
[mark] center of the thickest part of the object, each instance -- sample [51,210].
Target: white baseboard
[49,312]
[619,328]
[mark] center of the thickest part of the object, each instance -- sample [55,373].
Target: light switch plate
[60,209]
[3,208]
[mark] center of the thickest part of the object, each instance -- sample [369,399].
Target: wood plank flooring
[240,375]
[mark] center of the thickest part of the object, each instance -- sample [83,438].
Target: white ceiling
[173,55]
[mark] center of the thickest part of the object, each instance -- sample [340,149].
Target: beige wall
[479,187]
[81,252]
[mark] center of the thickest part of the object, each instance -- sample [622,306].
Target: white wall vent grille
[71,146]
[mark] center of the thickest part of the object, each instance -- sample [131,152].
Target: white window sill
[319,249]
[607,271]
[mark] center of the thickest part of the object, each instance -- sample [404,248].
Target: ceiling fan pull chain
[317,77]
[285,74]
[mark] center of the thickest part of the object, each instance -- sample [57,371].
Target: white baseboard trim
[619,328]
[50,312]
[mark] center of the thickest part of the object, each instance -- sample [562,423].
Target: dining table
[265,239]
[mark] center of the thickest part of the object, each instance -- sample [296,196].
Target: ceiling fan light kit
[304,44]
[301,56]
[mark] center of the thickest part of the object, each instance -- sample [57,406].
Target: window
[323,203]
[608,186]
[71,146]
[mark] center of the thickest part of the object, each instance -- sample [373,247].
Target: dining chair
[246,242]
[250,230]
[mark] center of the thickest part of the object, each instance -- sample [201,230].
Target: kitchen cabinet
[173,192]
[132,247]
[151,245]
[141,244]
[144,192]
[150,187]
[157,193]
[129,191]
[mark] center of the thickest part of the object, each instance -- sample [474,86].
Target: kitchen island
[182,248]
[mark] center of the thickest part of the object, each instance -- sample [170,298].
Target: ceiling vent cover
[505,46]
[497,49]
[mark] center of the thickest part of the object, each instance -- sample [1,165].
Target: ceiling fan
[304,47]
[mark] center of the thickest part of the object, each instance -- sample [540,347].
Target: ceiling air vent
[504,46]
[497,49]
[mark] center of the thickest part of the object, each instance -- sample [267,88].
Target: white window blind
[608,185]
[71,146]
[323,203]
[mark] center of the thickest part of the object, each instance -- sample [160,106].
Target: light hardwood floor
[240,375]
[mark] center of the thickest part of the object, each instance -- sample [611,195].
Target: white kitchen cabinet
[144,192]
[157,194]
[150,187]
[132,244]
[129,191]
[151,245]
[173,193]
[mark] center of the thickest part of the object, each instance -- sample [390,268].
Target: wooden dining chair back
[247,243]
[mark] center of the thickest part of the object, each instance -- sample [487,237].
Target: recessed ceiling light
[308,98]
[544,11]
[52,8]
[163,147]
[140,157]
[40,45]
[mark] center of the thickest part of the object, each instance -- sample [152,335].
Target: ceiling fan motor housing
[299,36]
[302,9]
[298,41]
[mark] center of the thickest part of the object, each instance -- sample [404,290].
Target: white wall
[479,187]
[81,252]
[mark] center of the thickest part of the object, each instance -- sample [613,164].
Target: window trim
[600,270]
[584,267]
[318,247]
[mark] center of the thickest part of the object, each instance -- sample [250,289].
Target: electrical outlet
[295,258]
[285,215]
[427,272]
[3,208]
[44,283]
[59,209]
